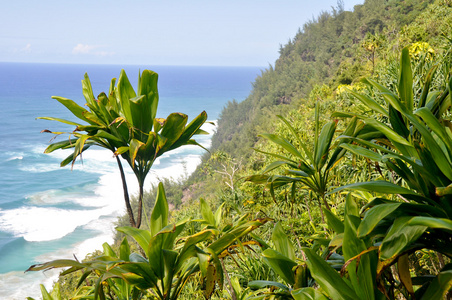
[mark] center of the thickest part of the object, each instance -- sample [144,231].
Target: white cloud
[83,49]
[89,49]
[26,49]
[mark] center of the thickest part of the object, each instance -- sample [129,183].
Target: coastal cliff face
[332,50]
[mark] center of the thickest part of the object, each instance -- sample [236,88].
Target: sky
[172,32]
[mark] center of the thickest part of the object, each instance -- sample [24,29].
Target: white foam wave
[18,157]
[18,285]
[46,224]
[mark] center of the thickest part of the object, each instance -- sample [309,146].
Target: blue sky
[216,33]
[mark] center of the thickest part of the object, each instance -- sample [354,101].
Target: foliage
[164,265]
[125,123]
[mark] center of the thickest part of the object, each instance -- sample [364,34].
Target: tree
[125,123]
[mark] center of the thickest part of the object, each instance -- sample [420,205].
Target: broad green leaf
[108,250]
[148,87]
[281,264]
[260,284]
[88,90]
[334,223]
[388,132]
[218,214]
[360,272]
[206,212]
[436,223]
[60,145]
[173,129]
[398,122]
[328,278]
[373,216]
[307,293]
[235,233]
[124,250]
[399,238]
[124,91]
[436,126]
[159,216]
[378,186]
[143,237]
[282,243]
[439,286]
[191,129]
[134,147]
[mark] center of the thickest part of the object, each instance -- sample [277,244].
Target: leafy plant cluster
[347,197]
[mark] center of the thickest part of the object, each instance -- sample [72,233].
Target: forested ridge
[332,180]
[327,50]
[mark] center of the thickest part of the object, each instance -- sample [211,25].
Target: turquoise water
[48,212]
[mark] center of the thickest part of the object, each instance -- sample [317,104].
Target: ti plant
[124,121]
[311,168]
[417,148]
[290,269]
[166,262]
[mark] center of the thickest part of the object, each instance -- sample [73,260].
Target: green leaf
[378,186]
[286,145]
[260,284]
[191,129]
[124,250]
[399,238]
[373,216]
[328,278]
[74,108]
[294,133]
[159,216]
[436,223]
[428,80]
[439,287]
[206,212]
[369,102]
[59,120]
[334,223]
[307,293]
[125,92]
[143,237]
[322,146]
[406,80]
[360,273]
[44,293]
[358,150]
[281,264]
[282,243]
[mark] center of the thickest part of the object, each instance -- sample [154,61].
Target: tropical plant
[283,261]
[165,265]
[311,168]
[416,147]
[125,123]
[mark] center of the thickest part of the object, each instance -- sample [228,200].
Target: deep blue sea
[48,212]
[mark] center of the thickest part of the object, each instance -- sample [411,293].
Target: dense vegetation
[346,195]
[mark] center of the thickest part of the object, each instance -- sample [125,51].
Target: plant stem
[126,193]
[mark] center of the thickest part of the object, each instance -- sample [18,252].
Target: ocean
[48,212]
